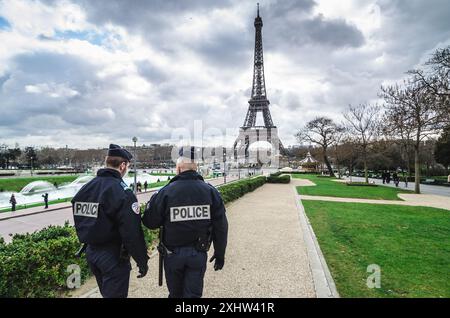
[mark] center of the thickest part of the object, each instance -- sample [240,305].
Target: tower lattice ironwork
[258,101]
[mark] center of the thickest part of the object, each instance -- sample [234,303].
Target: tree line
[157,156]
[414,114]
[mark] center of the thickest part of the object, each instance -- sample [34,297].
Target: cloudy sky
[86,73]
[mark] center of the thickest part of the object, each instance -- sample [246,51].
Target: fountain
[37,187]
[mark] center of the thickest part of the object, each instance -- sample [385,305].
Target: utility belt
[123,253]
[202,245]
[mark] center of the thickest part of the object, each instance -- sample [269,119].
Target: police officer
[107,220]
[192,214]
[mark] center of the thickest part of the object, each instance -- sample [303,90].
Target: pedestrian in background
[13,202]
[45,196]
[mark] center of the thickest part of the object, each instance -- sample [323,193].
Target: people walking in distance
[396,179]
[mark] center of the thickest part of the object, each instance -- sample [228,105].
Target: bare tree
[338,154]
[349,154]
[323,132]
[420,111]
[435,77]
[394,125]
[363,126]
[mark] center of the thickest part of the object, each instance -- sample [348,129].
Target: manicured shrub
[35,265]
[235,190]
[279,179]
[360,184]
[149,235]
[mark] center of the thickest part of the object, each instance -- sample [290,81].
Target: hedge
[35,265]
[235,190]
[279,179]
[360,184]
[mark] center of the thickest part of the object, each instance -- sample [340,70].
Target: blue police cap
[187,152]
[117,151]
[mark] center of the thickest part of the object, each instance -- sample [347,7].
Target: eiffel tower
[249,132]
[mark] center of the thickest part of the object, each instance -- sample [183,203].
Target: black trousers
[184,270]
[111,272]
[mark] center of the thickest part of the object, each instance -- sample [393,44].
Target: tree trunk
[338,169]
[327,163]
[417,169]
[366,171]
[408,166]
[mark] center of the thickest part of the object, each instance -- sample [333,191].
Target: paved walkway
[266,254]
[33,219]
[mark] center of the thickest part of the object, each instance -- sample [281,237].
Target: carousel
[309,164]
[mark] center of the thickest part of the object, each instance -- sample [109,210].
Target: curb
[323,281]
[33,213]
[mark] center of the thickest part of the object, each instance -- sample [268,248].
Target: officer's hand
[143,269]
[218,265]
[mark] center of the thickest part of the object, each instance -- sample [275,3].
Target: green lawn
[17,184]
[327,187]
[410,244]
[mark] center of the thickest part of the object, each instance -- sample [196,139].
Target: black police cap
[117,151]
[187,152]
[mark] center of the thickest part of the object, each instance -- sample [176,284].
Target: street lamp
[134,162]
[224,165]
[31,165]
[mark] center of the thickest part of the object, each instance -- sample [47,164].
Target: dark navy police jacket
[106,212]
[188,207]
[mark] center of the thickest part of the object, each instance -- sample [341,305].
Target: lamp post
[31,165]
[224,165]
[4,155]
[134,163]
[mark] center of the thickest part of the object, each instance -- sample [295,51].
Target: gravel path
[266,254]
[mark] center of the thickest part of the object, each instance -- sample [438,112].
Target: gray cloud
[291,23]
[337,33]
